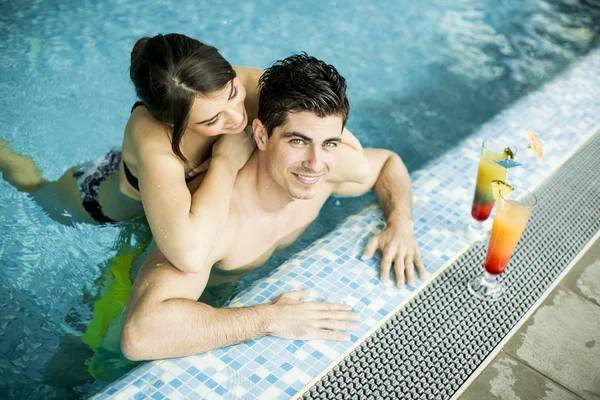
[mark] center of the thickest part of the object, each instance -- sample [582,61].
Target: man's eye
[330,144]
[296,141]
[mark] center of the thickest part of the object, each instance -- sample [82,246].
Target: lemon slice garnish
[497,186]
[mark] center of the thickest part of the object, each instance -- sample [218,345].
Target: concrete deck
[556,353]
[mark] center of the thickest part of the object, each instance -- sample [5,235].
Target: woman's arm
[179,219]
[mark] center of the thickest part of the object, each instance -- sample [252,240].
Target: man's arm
[164,319]
[390,178]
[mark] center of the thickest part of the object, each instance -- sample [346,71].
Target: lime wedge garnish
[498,186]
[509,153]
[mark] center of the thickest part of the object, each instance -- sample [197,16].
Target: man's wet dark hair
[301,83]
[170,71]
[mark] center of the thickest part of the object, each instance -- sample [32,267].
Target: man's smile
[307,179]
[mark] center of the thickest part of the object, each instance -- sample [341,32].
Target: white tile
[289,378]
[271,393]
[262,372]
[301,354]
[220,377]
[127,393]
[238,391]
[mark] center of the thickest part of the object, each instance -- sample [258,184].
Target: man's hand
[295,319]
[398,245]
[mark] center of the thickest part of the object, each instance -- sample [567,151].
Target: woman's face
[222,112]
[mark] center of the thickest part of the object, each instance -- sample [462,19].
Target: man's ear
[260,134]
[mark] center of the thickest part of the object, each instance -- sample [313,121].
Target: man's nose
[314,160]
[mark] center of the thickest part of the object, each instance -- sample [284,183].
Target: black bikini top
[132,179]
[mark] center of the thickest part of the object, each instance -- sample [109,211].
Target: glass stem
[477,225]
[490,280]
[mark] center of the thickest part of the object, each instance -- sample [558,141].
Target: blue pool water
[422,77]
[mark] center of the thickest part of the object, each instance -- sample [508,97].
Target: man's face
[302,152]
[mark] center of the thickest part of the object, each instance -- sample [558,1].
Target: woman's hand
[237,149]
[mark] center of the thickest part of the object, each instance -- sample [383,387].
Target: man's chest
[255,239]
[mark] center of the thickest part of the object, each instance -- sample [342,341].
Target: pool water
[422,77]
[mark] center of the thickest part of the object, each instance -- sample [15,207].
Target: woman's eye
[235,92]
[213,122]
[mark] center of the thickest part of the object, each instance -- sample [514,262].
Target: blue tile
[158,396]
[221,390]
[287,366]
[193,370]
[139,396]
[261,360]
[271,378]
[291,348]
[210,383]
[254,378]
[175,383]
[235,365]
[290,391]
[317,354]
[184,390]
[158,383]
[112,391]
[139,383]
[166,390]
[202,377]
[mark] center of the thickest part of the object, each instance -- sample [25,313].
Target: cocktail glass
[513,212]
[483,199]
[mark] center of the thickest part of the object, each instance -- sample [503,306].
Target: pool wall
[564,112]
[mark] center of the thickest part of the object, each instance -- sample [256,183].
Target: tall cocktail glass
[512,213]
[483,199]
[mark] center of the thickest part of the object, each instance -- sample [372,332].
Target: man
[302,112]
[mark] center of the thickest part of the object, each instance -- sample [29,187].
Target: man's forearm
[181,327]
[394,189]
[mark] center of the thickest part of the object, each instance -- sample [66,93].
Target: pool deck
[565,112]
[555,354]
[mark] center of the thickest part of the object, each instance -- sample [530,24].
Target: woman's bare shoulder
[143,130]
[144,135]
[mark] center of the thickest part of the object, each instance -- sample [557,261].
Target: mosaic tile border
[564,112]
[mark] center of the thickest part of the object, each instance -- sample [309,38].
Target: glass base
[475,231]
[487,287]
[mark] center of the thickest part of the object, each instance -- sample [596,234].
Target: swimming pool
[424,76]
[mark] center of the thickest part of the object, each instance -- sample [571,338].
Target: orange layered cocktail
[509,223]
[514,209]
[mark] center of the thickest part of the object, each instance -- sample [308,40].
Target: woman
[193,106]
